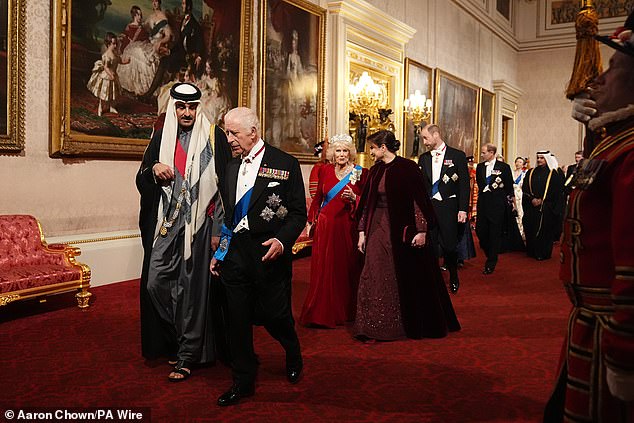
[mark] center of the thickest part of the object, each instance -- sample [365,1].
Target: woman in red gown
[335,262]
[401,290]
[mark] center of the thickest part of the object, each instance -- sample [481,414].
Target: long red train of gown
[336,262]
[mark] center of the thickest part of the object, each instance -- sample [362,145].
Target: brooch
[494,185]
[445,178]
[282,212]
[355,175]
[274,200]
[267,214]
[224,243]
[454,177]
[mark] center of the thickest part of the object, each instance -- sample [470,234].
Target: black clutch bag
[409,232]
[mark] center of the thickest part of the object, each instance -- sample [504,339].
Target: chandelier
[418,108]
[366,96]
[368,103]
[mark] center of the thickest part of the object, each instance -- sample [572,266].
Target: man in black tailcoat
[447,180]
[265,207]
[495,187]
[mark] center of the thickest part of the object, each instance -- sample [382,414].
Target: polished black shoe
[487,271]
[294,372]
[454,284]
[235,394]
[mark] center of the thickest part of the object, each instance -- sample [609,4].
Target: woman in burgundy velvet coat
[401,290]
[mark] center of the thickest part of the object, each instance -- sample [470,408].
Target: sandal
[182,368]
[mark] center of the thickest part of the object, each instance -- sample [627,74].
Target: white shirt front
[489,169]
[247,174]
[437,159]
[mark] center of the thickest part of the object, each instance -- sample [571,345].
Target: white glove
[621,384]
[583,107]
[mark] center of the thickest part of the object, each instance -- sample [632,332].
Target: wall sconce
[418,108]
[368,102]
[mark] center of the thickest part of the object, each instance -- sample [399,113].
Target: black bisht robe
[156,340]
[541,224]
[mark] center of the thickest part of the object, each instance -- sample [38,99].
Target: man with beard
[180,209]
[447,182]
[541,201]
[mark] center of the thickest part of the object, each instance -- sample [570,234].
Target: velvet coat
[426,308]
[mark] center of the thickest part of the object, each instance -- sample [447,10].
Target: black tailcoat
[454,180]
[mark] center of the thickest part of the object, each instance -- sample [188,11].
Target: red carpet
[499,368]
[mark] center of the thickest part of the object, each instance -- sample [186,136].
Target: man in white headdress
[180,210]
[541,201]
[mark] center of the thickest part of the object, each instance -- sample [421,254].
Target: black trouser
[489,231]
[257,293]
[448,233]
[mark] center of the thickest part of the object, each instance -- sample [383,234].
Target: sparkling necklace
[341,173]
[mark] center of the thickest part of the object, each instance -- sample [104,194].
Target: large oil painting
[418,77]
[115,61]
[456,109]
[12,55]
[292,75]
[558,16]
[487,116]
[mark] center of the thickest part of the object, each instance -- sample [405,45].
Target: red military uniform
[598,272]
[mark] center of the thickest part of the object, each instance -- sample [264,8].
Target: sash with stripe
[337,188]
[241,209]
[434,188]
[519,178]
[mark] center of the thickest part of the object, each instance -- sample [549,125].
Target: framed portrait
[291,85]
[12,62]
[558,16]
[503,7]
[417,77]
[114,63]
[456,111]
[486,117]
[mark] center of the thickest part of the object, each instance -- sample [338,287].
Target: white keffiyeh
[200,173]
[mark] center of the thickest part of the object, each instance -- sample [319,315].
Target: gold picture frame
[417,77]
[292,75]
[72,101]
[456,111]
[486,117]
[12,87]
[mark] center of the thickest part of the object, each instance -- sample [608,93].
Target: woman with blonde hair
[335,263]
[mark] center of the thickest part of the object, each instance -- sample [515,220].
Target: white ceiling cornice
[495,25]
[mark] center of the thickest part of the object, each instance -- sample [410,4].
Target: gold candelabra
[418,107]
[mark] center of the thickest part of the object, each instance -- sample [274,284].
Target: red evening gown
[336,262]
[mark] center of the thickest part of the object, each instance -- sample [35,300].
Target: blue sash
[489,179]
[434,188]
[337,188]
[519,178]
[239,212]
